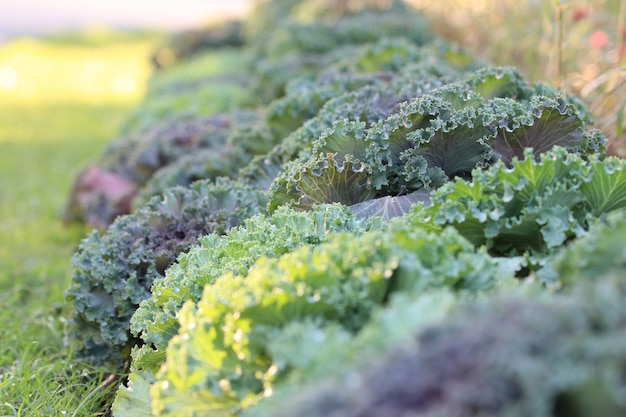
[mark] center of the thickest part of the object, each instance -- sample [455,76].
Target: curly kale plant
[172,153]
[532,207]
[325,35]
[307,48]
[391,62]
[114,271]
[500,352]
[203,164]
[508,355]
[155,321]
[304,98]
[445,133]
[381,96]
[369,103]
[379,59]
[599,253]
[248,137]
[241,319]
[141,155]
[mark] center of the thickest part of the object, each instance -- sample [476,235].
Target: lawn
[60,102]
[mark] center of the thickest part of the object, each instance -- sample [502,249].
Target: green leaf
[325,179]
[133,399]
[605,188]
[344,138]
[598,254]
[531,206]
[547,123]
[457,148]
[492,82]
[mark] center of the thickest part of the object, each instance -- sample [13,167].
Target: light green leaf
[133,399]
[605,190]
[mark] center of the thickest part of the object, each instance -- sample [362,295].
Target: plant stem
[620,33]
[559,44]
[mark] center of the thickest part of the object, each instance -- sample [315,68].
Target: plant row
[372,196]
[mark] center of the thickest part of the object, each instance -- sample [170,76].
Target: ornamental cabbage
[439,135]
[532,207]
[510,354]
[155,321]
[225,357]
[114,271]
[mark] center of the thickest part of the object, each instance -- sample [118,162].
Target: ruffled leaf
[329,180]
[492,82]
[133,399]
[547,123]
[533,206]
[605,189]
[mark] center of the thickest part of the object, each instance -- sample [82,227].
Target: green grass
[49,130]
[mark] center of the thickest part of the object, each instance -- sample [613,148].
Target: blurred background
[20,17]
[27,27]
[577,45]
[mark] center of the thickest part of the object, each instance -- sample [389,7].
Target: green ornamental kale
[600,252]
[114,271]
[225,357]
[369,104]
[358,28]
[303,49]
[155,321]
[509,355]
[244,137]
[304,98]
[442,134]
[532,207]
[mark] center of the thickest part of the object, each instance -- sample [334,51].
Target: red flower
[580,12]
[598,39]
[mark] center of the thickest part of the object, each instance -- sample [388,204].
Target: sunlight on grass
[60,102]
[35,72]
